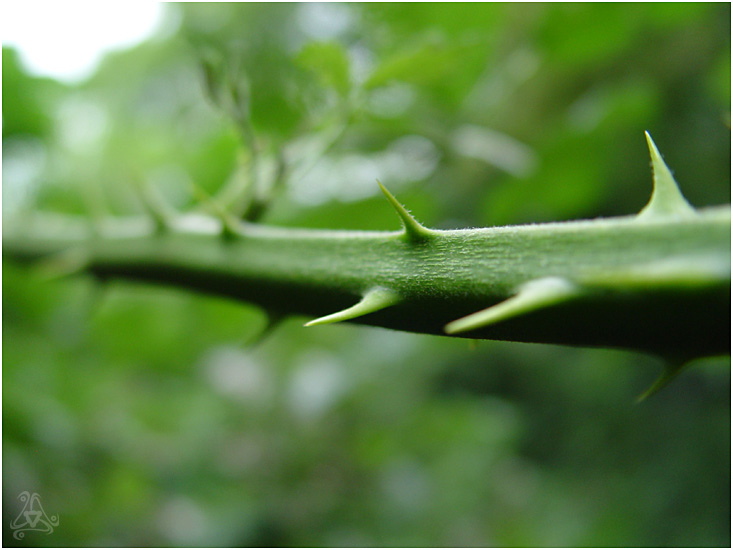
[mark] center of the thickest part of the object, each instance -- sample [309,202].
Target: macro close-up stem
[657,282]
[366,275]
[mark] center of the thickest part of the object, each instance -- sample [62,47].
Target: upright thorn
[374,300]
[95,206]
[534,295]
[228,223]
[666,198]
[154,206]
[414,230]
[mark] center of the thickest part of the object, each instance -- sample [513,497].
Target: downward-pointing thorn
[65,263]
[666,198]
[272,321]
[534,295]
[414,230]
[374,300]
[671,371]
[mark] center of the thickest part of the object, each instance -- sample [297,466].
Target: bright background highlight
[66,41]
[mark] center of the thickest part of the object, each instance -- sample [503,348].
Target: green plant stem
[658,284]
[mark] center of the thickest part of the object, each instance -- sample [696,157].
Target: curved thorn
[671,371]
[691,270]
[414,230]
[666,198]
[64,264]
[273,320]
[374,300]
[154,205]
[228,223]
[532,296]
[96,208]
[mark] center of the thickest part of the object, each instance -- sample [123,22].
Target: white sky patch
[66,40]
[324,20]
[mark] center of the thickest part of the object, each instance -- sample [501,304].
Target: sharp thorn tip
[374,300]
[666,199]
[414,230]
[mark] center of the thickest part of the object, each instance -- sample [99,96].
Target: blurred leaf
[32,115]
[420,65]
[330,62]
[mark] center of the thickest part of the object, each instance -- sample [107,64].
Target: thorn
[414,230]
[64,264]
[212,71]
[688,271]
[96,208]
[374,300]
[154,206]
[532,296]
[671,371]
[666,198]
[272,321]
[96,296]
[229,225]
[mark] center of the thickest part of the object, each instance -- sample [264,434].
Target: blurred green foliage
[142,416]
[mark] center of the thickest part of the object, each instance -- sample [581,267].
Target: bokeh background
[145,416]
